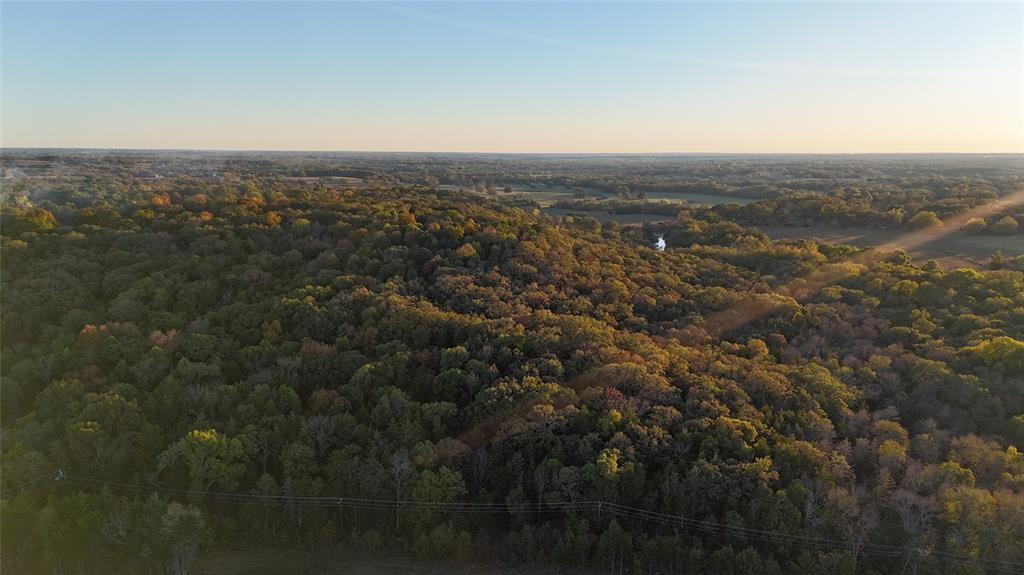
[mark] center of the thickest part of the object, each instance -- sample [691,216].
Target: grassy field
[955,249]
[335,180]
[624,219]
[703,199]
[547,195]
[543,195]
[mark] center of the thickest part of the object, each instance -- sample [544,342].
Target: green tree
[975,226]
[1004,226]
[33,220]
[924,219]
[212,458]
[614,548]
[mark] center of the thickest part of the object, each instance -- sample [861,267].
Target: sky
[514,77]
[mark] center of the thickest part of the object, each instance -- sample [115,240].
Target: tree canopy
[167,342]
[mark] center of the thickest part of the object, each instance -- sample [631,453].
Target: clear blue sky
[538,77]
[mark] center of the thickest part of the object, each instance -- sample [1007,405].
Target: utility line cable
[614,509]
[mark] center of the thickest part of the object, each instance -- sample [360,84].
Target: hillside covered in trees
[220,363]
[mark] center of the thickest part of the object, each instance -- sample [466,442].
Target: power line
[614,509]
[57,475]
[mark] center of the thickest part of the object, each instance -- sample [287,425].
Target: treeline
[271,338]
[858,208]
[615,206]
[842,209]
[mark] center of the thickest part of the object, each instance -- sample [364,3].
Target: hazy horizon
[515,78]
[483,153]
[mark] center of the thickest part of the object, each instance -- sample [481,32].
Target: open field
[956,249]
[702,199]
[624,219]
[543,195]
[336,180]
[547,195]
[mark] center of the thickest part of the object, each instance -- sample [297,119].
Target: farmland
[954,249]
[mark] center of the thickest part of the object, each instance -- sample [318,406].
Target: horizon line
[494,153]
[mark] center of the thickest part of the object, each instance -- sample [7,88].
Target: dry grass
[955,249]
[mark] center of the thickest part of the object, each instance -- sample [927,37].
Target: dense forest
[200,360]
